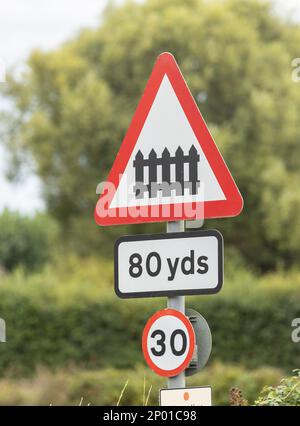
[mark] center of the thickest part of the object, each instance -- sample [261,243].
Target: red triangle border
[231,206]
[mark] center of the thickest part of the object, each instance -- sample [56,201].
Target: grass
[104,387]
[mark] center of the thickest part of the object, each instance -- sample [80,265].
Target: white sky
[26,24]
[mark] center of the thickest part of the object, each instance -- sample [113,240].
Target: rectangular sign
[179,263]
[196,396]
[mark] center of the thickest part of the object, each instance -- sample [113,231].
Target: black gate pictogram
[166,160]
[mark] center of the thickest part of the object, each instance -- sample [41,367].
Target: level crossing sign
[168,167]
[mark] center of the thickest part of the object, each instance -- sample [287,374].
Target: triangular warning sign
[168,167]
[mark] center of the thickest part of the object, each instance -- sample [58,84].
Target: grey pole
[178,303]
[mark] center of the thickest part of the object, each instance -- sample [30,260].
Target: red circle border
[191,333]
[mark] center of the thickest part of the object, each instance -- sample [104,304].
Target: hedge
[55,323]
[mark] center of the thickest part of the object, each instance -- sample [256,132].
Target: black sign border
[170,236]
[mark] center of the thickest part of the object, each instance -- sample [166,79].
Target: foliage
[25,241]
[68,314]
[237,399]
[72,107]
[285,394]
[103,387]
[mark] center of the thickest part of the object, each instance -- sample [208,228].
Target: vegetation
[286,394]
[68,314]
[104,387]
[25,241]
[72,107]
[68,336]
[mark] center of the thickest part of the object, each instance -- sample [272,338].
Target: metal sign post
[178,303]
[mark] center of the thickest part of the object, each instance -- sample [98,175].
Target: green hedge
[104,387]
[74,318]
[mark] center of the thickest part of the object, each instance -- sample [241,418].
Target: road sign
[168,167]
[196,396]
[168,342]
[177,263]
[203,342]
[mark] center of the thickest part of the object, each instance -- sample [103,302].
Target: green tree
[25,241]
[73,106]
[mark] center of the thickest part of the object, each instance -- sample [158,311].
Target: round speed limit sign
[168,342]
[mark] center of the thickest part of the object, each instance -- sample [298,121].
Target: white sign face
[168,342]
[198,396]
[170,133]
[169,264]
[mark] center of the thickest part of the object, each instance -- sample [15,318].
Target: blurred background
[72,73]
